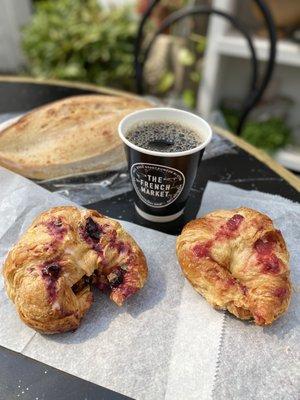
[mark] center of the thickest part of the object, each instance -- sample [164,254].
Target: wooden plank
[262,156]
[71,84]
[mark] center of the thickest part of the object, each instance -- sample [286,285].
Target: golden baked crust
[70,136]
[238,261]
[49,273]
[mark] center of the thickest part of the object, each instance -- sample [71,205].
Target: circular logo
[157,185]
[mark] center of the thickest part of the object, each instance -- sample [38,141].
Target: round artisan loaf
[238,261]
[49,273]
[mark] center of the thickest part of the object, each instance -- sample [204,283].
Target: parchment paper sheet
[261,363]
[162,345]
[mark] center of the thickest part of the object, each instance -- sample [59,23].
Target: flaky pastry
[238,261]
[50,271]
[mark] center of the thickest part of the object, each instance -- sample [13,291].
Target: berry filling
[231,282]
[264,248]
[127,291]
[115,278]
[56,228]
[271,265]
[92,233]
[280,292]
[202,250]
[84,282]
[102,283]
[225,232]
[92,229]
[234,222]
[50,273]
[118,245]
[229,229]
[244,289]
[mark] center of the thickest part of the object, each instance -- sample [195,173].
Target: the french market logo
[157,185]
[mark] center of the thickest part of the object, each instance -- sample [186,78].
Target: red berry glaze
[280,292]
[230,228]
[202,250]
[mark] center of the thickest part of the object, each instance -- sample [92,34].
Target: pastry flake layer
[238,261]
[50,272]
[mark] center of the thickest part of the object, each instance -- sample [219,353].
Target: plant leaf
[189,98]
[166,82]
[186,57]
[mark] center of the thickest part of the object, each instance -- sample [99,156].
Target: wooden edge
[292,179]
[70,84]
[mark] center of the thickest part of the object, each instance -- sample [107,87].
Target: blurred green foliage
[189,57]
[79,40]
[166,82]
[269,135]
[189,98]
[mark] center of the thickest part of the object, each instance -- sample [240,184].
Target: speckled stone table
[228,160]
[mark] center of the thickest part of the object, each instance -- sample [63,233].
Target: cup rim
[162,153]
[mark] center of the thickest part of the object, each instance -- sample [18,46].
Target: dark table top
[241,166]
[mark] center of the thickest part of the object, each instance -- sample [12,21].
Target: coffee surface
[164,136]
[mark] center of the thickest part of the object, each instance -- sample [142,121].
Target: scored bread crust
[238,261]
[50,272]
[75,135]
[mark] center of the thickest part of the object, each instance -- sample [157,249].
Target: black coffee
[164,136]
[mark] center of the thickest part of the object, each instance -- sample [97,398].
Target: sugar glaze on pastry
[238,261]
[49,273]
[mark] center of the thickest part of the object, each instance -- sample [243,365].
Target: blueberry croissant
[50,272]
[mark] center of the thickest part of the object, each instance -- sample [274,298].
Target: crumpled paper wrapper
[163,344]
[261,362]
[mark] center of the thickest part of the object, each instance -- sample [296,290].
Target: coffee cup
[162,179]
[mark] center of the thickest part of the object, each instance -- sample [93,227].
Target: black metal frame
[256,90]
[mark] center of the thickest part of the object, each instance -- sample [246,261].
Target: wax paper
[167,342]
[163,344]
[261,362]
